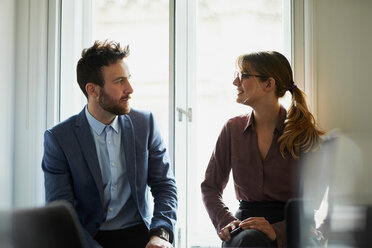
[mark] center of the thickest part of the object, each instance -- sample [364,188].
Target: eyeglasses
[240,75]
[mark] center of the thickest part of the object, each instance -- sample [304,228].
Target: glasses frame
[240,75]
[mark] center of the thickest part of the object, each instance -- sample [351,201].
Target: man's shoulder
[65,125]
[139,115]
[136,113]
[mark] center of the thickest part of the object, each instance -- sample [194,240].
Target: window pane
[144,26]
[74,37]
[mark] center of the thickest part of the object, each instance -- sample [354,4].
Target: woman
[262,150]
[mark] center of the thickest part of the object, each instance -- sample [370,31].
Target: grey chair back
[53,226]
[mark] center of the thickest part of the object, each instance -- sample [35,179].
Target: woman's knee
[249,238]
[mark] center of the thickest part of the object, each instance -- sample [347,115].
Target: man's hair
[102,53]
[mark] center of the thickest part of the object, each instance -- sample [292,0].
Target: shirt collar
[98,126]
[279,124]
[115,124]
[249,121]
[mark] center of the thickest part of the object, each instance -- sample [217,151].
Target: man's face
[115,94]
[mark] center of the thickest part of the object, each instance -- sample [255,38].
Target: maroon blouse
[254,180]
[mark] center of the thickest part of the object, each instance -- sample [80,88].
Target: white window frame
[304,50]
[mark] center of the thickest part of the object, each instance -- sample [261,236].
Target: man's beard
[110,105]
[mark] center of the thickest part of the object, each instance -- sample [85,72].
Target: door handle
[181,112]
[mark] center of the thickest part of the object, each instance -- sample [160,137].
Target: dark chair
[53,226]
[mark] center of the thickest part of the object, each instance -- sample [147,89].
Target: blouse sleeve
[216,178]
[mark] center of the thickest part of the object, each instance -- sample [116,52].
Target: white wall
[343,53]
[7,86]
[344,64]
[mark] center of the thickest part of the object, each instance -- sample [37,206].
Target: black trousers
[132,237]
[272,211]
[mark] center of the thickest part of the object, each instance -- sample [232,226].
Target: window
[194,95]
[144,26]
[222,31]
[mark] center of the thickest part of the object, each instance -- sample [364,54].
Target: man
[104,159]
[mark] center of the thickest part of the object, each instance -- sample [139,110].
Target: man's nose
[128,89]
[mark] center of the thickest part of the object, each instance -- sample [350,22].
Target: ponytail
[301,133]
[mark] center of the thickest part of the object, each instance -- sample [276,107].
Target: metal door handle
[188,113]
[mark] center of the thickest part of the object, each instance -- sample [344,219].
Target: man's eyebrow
[118,78]
[121,78]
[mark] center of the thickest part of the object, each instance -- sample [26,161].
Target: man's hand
[224,234]
[157,242]
[261,224]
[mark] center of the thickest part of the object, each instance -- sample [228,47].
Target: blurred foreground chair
[53,226]
[330,210]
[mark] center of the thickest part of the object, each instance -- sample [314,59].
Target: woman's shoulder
[240,121]
[242,117]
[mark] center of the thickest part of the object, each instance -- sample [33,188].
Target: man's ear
[92,89]
[270,84]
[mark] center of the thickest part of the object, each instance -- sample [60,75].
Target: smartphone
[236,231]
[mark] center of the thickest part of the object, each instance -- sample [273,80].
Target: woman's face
[249,88]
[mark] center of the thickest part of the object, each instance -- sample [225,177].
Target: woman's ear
[270,84]
[92,89]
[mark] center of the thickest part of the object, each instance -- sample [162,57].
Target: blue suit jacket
[72,172]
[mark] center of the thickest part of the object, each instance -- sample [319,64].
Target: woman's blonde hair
[301,133]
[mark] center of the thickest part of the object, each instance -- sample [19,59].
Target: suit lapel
[85,138]
[128,141]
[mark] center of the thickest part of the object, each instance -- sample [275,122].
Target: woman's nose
[236,81]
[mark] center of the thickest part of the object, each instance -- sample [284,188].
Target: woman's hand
[224,234]
[261,224]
